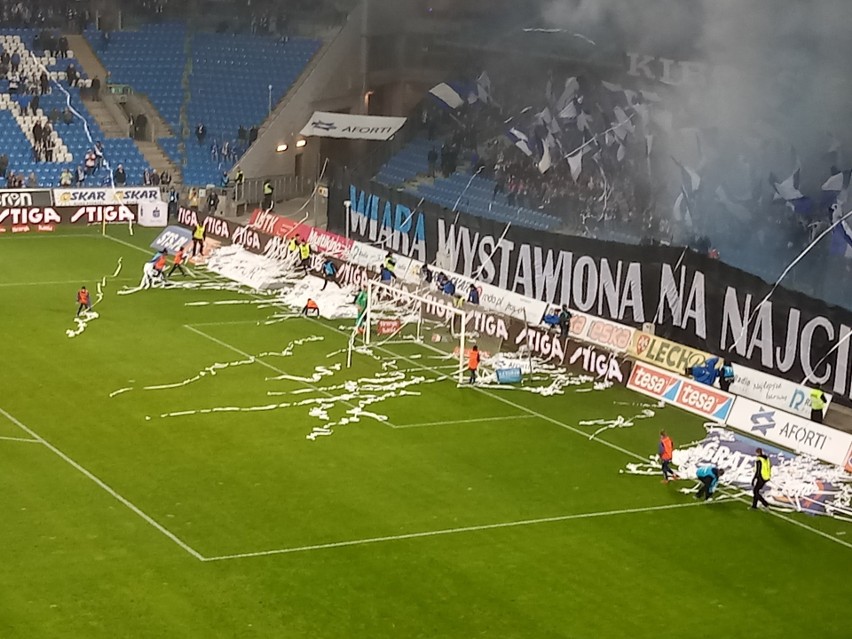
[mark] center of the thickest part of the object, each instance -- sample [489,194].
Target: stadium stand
[220,81]
[71,131]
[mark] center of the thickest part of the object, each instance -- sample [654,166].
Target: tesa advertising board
[684,393]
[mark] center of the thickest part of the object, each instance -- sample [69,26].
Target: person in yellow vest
[293,249]
[305,255]
[762,474]
[198,235]
[818,401]
[267,196]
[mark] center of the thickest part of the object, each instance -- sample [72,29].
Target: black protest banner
[690,298]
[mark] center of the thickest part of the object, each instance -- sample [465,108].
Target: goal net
[396,317]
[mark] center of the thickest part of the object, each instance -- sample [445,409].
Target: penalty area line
[455,531]
[103,485]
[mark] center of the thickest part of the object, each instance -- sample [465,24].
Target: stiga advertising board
[35,218]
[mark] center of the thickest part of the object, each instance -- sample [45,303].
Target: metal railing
[285,187]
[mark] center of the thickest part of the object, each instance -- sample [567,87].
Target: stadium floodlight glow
[281,148]
[301,143]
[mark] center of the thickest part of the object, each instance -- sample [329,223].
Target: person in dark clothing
[564,321]
[37,132]
[212,202]
[432,158]
[709,478]
[120,177]
[34,104]
[818,402]
[762,474]
[726,376]
[4,165]
[44,83]
[253,134]
[96,89]
[200,132]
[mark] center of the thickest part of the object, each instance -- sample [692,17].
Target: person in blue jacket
[705,373]
[473,295]
[709,476]
[329,273]
[449,287]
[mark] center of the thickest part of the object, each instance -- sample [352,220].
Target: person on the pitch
[473,363]
[311,309]
[329,273]
[178,263]
[361,304]
[666,451]
[818,401]
[159,261]
[84,300]
[198,235]
[388,270]
[726,376]
[305,256]
[762,474]
[564,321]
[293,249]
[709,477]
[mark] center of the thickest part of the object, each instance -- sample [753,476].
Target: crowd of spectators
[65,14]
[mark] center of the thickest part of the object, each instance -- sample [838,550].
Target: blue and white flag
[690,183]
[447,96]
[520,140]
[483,88]
[841,237]
[571,89]
[788,190]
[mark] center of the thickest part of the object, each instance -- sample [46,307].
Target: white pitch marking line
[57,283]
[466,421]
[453,531]
[276,369]
[20,439]
[556,422]
[103,485]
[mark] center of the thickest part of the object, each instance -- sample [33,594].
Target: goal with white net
[396,317]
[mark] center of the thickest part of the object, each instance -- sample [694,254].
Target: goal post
[396,314]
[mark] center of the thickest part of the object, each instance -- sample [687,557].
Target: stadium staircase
[71,141]
[220,80]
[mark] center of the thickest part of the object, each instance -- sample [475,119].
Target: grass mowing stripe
[100,483]
[585,436]
[465,421]
[454,531]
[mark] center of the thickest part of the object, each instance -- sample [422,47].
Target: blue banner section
[172,238]
[509,375]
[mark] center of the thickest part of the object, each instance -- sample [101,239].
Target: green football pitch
[156,480]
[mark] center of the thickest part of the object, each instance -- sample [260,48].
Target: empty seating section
[461,191]
[151,60]
[229,82]
[69,141]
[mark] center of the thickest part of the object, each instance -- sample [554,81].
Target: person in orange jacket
[473,363]
[84,300]
[311,309]
[178,263]
[666,451]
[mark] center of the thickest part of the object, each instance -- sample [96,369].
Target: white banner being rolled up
[356,127]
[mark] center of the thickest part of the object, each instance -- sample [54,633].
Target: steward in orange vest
[473,363]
